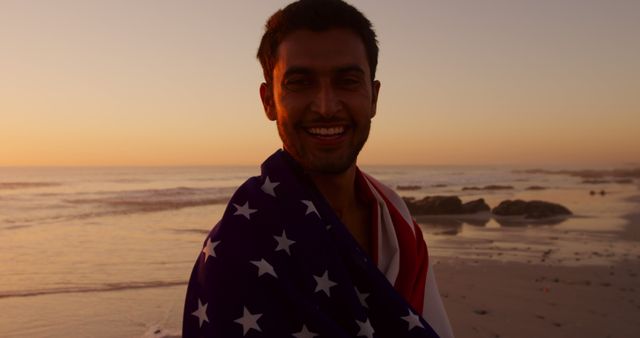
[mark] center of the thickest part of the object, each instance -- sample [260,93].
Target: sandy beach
[544,298]
[106,252]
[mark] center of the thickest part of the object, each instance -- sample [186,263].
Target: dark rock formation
[445,205]
[435,205]
[475,206]
[530,209]
[536,187]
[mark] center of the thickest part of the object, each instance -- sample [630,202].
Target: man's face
[322,98]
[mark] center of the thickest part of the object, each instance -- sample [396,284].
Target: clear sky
[155,82]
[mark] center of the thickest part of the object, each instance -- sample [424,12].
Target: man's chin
[329,165]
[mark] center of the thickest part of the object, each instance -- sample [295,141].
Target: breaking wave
[113,203]
[150,196]
[156,199]
[97,288]
[26,185]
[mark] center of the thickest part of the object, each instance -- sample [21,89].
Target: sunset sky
[159,82]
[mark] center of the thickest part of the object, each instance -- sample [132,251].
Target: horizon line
[141,166]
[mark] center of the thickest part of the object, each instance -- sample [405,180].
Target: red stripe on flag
[414,256]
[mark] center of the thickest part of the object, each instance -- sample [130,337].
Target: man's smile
[333,131]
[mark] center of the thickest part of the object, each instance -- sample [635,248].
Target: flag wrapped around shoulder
[281,264]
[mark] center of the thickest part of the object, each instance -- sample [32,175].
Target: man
[314,247]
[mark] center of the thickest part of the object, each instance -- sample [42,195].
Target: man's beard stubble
[325,166]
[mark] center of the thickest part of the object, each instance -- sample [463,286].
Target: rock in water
[445,205]
[530,209]
[436,205]
[475,206]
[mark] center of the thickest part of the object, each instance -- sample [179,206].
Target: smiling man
[323,97]
[314,247]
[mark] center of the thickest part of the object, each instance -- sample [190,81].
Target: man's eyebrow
[296,70]
[350,68]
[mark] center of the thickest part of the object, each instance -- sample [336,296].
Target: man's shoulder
[246,208]
[261,208]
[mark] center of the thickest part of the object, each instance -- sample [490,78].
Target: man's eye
[297,83]
[349,82]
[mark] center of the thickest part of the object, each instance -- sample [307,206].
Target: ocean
[106,252]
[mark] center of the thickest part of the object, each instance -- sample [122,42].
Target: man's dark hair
[317,16]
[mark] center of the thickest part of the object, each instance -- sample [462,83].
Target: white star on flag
[201,312]
[283,243]
[264,267]
[363,298]
[209,249]
[324,284]
[366,329]
[244,210]
[310,207]
[268,187]
[249,321]
[305,333]
[413,320]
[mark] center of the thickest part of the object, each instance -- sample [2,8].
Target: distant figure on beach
[314,247]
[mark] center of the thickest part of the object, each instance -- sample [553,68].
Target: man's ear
[266,95]
[374,97]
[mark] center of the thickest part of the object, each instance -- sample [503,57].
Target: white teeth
[326,131]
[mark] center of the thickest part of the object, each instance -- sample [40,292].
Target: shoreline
[489,297]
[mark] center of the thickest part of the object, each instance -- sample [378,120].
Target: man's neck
[338,190]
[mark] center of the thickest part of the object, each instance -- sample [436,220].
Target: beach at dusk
[509,128]
[106,252]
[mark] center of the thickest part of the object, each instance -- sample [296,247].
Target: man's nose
[326,102]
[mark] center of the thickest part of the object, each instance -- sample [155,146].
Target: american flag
[281,264]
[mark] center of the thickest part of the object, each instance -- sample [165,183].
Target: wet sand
[491,298]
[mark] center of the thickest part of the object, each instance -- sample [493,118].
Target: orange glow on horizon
[462,83]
